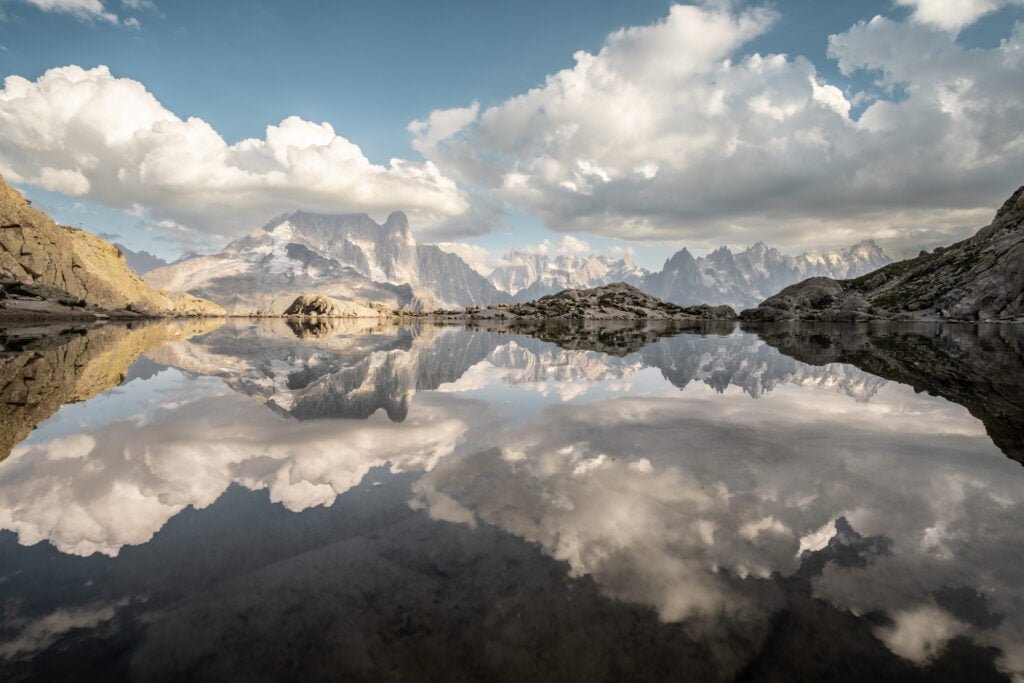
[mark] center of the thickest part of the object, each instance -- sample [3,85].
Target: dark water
[347,501]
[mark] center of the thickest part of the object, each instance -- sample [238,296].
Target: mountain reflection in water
[355,499]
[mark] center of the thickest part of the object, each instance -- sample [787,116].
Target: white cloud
[441,125]
[479,258]
[108,139]
[484,261]
[86,10]
[671,131]
[953,15]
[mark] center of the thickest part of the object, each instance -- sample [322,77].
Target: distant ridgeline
[351,258]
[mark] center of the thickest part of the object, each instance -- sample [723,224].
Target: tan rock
[317,305]
[36,251]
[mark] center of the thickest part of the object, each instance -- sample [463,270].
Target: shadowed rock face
[979,367]
[42,368]
[71,272]
[981,278]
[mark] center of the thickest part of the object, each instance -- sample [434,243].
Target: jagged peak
[300,216]
[398,219]
[682,255]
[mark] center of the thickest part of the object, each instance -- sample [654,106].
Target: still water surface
[353,501]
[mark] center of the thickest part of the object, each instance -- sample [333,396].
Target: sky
[614,127]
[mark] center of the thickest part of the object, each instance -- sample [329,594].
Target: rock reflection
[981,367]
[721,505]
[43,368]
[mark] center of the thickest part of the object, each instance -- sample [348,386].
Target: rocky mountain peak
[680,258]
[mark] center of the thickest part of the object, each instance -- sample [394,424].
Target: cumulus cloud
[86,10]
[953,15]
[479,258]
[90,134]
[673,131]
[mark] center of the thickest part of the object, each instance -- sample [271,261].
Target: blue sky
[370,69]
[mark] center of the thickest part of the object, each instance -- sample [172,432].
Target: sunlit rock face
[72,272]
[698,491]
[347,257]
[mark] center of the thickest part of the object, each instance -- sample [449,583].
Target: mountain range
[352,257]
[738,279]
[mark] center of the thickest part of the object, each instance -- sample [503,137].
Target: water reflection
[634,502]
[981,367]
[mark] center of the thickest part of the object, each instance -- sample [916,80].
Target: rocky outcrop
[980,278]
[60,268]
[617,301]
[42,368]
[315,305]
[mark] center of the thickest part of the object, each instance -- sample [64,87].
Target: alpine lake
[362,500]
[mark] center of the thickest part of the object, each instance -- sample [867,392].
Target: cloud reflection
[679,503]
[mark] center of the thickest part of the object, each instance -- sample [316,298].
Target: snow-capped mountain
[352,257]
[740,279]
[748,277]
[342,256]
[529,276]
